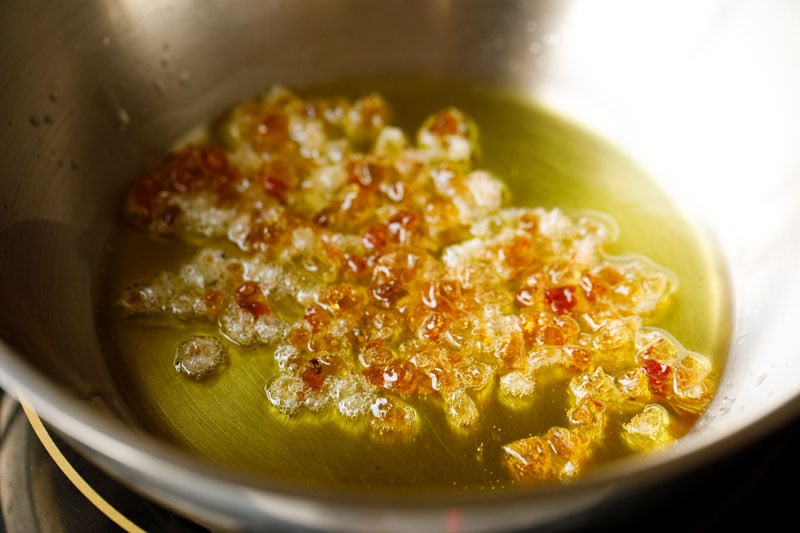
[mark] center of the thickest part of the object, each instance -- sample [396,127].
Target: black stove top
[756,487]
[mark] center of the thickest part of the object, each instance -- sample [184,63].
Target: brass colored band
[69,471]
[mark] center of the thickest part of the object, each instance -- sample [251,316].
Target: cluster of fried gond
[378,271]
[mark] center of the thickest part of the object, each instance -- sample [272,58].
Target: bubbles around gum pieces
[380,277]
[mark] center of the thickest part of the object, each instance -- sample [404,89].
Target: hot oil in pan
[545,162]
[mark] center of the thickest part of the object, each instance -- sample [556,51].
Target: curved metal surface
[701,94]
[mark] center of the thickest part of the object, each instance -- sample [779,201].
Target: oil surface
[546,162]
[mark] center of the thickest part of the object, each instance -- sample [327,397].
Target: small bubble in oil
[479,452]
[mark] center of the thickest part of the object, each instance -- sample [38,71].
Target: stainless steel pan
[703,95]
